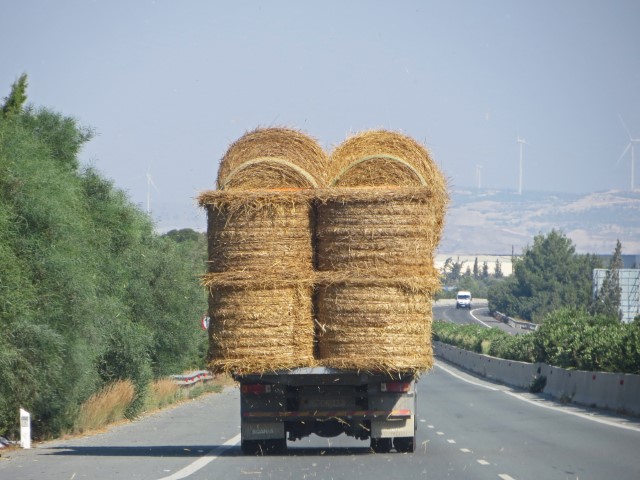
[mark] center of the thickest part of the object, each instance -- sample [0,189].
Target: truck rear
[291,405]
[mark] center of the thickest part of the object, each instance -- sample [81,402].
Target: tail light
[395,387]
[255,388]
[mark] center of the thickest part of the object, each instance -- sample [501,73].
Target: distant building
[629,290]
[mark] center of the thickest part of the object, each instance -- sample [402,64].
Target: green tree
[607,301]
[476,272]
[485,270]
[497,272]
[548,276]
[14,103]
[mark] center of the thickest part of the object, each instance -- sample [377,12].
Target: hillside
[491,222]
[494,222]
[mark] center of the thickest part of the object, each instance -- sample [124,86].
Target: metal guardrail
[521,324]
[192,378]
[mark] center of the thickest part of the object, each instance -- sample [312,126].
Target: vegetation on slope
[89,293]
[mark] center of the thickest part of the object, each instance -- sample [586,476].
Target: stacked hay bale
[377,228]
[261,253]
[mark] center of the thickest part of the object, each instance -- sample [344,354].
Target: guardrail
[190,379]
[619,392]
[512,322]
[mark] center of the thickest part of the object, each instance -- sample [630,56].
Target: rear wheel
[381,445]
[405,444]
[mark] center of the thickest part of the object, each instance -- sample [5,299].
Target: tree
[485,270]
[476,272]
[498,269]
[452,271]
[548,276]
[14,103]
[607,300]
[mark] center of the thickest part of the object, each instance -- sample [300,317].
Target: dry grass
[377,158]
[374,324]
[259,326]
[377,228]
[163,392]
[105,407]
[259,231]
[273,158]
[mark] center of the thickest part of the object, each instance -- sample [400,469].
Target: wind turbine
[521,141]
[631,146]
[479,175]
[149,185]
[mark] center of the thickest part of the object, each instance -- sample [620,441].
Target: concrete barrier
[619,392]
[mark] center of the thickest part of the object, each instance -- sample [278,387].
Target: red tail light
[255,388]
[395,387]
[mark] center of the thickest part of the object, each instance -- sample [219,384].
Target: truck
[293,404]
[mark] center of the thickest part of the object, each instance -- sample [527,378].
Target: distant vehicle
[463,299]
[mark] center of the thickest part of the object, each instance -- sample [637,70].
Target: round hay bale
[273,158]
[257,327]
[259,231]
[375,324]
[377,158]
[360,229]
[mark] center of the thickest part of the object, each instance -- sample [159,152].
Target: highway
[468,428]
[479,315]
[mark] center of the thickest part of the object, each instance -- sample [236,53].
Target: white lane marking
[488,387]
[476,318]
[482,462]
[504,476]
[203,461]
[465,450]
[576,414]
[451,440]
[430,426]
[439,433]
[542,405]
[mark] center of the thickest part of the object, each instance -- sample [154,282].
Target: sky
[167,86]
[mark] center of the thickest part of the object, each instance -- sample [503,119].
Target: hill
[501,222]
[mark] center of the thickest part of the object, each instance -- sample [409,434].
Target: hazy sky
[168,85]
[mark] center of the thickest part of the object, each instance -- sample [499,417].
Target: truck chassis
[290,405]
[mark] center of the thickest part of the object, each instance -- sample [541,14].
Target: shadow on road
[196,451]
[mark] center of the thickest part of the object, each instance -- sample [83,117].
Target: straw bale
[377,158]
[374,324]
[259,231]
[273,158]
[376,228]
[256,328]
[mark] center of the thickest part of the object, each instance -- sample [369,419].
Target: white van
[463,299]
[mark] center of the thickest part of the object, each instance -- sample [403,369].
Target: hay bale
[273,158]
[259,326]
[378,158]
[375,324]
[259,231]
[360,229]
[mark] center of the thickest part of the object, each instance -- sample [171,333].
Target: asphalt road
[479,315]
[467,428]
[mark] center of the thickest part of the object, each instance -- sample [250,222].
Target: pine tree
[485,270]
[608,297]
[14,103]
[476,272]
[498,270]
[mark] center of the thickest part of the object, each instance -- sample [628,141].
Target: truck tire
[381,445]
[405,444]
[249,447]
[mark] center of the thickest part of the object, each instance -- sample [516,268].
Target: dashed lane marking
[482,462]
[203,461]
[504,476]
[451,440]
[465,450]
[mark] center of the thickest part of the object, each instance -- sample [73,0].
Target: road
[468,428]
[479,315]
